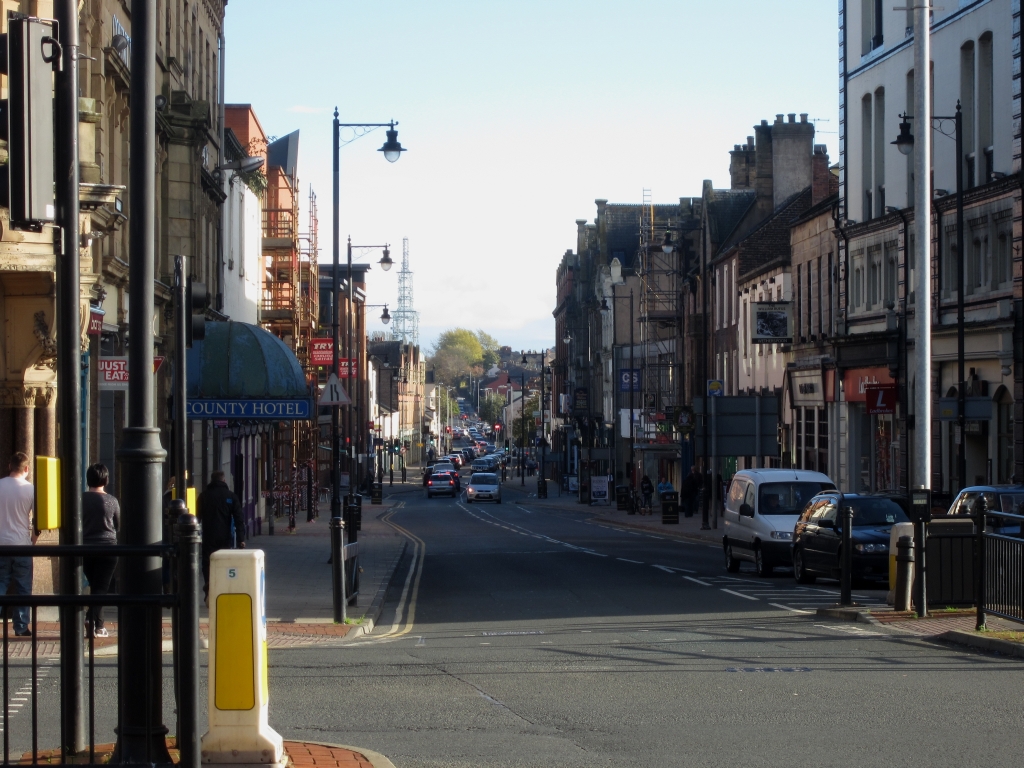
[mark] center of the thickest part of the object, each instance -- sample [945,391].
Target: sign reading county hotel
[247,410]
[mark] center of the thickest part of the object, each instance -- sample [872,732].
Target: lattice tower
[406,319]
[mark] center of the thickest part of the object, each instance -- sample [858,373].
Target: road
[516,636]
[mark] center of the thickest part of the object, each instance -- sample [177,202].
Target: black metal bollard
[981,505]
[186,640]
[846,564]
[904,572]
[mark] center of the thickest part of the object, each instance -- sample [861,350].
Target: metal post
[979,568]
[335,313]
[141,738]
[181,316]
[922,458]
[338,569]
[632,384]
[757,430]
[186,641]
[961,253]
[705,522]
[349,441]
[846,564]
[69,366]
[522,419]
[713,495]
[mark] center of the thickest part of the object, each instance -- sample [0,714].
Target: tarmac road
[519,636]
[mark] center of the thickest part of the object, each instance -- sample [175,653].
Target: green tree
[532,404]
[455,354]
[491,404]
[491,348]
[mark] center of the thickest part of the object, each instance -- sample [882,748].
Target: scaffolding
[407,319]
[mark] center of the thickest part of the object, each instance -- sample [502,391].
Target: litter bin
[622,497]
[670,508]
[377,493]
[542,488]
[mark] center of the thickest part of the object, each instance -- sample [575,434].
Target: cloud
[307,110]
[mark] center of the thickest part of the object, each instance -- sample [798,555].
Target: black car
[442,483]
[817,537]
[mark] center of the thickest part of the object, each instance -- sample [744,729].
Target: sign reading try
[247,410]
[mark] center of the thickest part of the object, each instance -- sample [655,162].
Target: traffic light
[27,55]
[497,427]
[195,303]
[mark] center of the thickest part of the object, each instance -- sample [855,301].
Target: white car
[761,510]
[483,486]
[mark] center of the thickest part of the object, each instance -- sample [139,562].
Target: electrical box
[47,482]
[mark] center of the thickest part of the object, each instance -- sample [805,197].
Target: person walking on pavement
[647,489]
[219,507]
[17,528]
[690,490]
[101,518]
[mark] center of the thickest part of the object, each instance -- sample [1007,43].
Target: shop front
[873,440]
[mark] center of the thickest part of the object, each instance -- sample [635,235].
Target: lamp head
[667,246]
[392,149]
[385,261]
[385,316]
[905,141]
[605,306]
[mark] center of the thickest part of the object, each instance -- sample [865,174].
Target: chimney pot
[778,118]
[792,117]
[803,117]
[750,141]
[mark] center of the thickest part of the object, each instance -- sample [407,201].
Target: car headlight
[781,535]
[470,489]
[870,549]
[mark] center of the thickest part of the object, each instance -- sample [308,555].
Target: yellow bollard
[899,529]
[238,696]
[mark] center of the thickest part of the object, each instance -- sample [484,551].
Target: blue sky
[517,116]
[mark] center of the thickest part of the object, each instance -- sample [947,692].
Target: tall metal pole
[708,472]
[181,316]
[522,420]
[69,366]
[632,385]
[141,738]
[922,459]
[337,526]
[961,253]
[349,441]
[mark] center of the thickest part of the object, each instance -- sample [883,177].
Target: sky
[517,115]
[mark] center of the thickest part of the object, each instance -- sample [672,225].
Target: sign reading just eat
[247,410]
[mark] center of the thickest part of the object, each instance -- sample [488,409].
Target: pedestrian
[17,528]
[219,507]
[689,491]
[101,519]
[647,489]
[664,486]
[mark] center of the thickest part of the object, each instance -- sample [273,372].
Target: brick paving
[301,754]
[939,622]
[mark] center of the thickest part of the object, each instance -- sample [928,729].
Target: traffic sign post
[333,393]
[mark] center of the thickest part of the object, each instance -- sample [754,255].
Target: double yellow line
[412,581]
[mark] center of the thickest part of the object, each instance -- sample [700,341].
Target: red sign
[114,371]
[857,380]
[346,366]
[95,323]
[880,400]
[321,351]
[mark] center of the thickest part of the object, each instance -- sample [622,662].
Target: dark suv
[817,537]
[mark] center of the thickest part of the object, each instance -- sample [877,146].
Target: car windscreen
[1001,501]
[787,498]
[443,477]
[876,512]
[484,478]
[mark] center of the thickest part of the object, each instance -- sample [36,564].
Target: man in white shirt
[17,528]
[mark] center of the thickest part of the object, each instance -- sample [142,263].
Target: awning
[241,372]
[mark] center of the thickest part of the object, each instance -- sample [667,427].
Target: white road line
[697,581]
[591,552]
[664,568]
[738,594]
[787,608]
[626,560]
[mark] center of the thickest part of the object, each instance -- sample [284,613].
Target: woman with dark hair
[101,516]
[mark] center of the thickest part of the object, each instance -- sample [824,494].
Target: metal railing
[1002,566]
[184,602]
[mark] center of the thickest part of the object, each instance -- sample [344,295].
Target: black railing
[48,721]
[1003,565]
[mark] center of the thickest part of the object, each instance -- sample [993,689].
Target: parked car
[442,483]
[998,498]
[817,537]
[483,486]
[761,510]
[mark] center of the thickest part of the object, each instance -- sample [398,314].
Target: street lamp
[605,307]
[385,262]
[905,143]
[392,151]
[522,419]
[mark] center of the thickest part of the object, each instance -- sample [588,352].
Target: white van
[761,510]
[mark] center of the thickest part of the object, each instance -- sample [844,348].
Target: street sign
[321,351]
[629,380]
[715,388]
[114,371]
[880,400]
[736,423]
[333,393]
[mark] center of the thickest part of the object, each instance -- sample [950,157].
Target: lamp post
[392,150]
[633,378]
[522,419]
[905,143]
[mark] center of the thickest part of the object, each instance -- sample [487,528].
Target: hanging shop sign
[581,401]
[880,400]
[113,371]
[771,322]
[321,351]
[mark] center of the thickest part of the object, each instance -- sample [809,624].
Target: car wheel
[799,570]
[732,565]
[761,566]
[469,501]
[499,501]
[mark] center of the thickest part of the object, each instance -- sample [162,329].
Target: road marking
[768,669]
[850,630]
[627,560]
[787,608]
[697,581]
[664,568]
[738,594]
[591,552]
[420,642]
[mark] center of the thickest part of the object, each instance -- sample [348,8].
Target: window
[871,26]
[985,105]
[874,277]
[821,307]
[866,166]
[799,303]
[967,103]
[1004,422]
[890,263]
[807,309]
[881,138]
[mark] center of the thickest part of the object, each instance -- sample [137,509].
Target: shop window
[1004,432]
[823,440]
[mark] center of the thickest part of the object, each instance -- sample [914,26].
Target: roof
[239,360]
[622,228]
[284,154]
[770,241]
[726,208]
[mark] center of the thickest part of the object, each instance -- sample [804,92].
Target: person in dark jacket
[689,491]
[218,508]
[101,518]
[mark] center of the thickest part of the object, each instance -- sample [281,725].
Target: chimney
[741,166]
[792,148]
[763,182]
[821,186]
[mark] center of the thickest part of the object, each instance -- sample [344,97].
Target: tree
[491,404]
[532,404]
[454,355]
[491,350]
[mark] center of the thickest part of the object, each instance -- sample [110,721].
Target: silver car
[483,486]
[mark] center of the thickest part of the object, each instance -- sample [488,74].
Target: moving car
[761,510]
[457,459]
[480,465]
[442,483]
[818,535]
[998,498]
[483,486]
